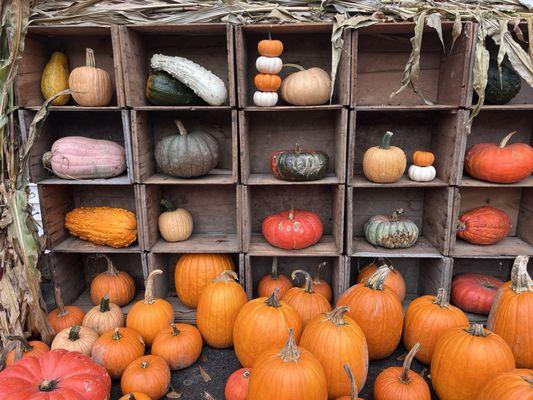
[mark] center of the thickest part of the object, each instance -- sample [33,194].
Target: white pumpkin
[422,174]
[268,65]
[265,99]
[175,225]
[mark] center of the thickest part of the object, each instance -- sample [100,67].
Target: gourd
[465,360]
[422,174]
[511,385]
[108,226]
[394,279]
[55,78]
[353,391]
[270,48]
[272,281]
[119,286]
[163,90]
[179,345]
[33,348]
[175,225]
[501,91]
[267,82]
[237,385]
[76,338]
[218,306]
[321,286]
[299,164]
[188,154]
[104,317]
[265,99]
[423,158]
[203,82]
[378,312]
[64,316]
[426,318]
[293,229]
[511,316]
[147,374]
[311,87]
[337,340]
[268,65]
[391,232]
[290,374]
[474,293]
[384,163]
[135,396]
[194,271]
[91,86]
[483,225]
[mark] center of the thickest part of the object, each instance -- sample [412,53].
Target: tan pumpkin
[104,317]
[179,344]
[307,87]
[118,285]
[272,281]
[91,86]
[394,278]
[320,286]
[175,225]
[384,163]
[64,316]
[77,338]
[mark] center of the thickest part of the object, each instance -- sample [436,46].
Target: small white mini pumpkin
[265,99]
[268,65]
[422,174]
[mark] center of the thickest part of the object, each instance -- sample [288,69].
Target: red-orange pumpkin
[394,278]
[513,385]
[64,316]
[474,292]
[484,225]
[237,384]
[272,281]
[293,229]
[34,348]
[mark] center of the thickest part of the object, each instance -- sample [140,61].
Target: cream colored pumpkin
[422,174]
[268,65]
[308,87]
[384,163]
[104,317]
[76,338]
[175,225]
[91,86]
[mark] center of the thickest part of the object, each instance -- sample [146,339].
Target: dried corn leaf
[434,21]
[204,374]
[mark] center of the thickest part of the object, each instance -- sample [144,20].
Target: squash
[203,82]
[422,174]
[484,225]
[270,48]
[423,158]
[108,226]
[394,279]
[267,82]
[91,86]
[321,286]
[474,293]
[76,338]
[394,232]
[237,385]
[272,281]
[501,91]
[353,391]
[179,345]
[384,163]
[175,225]
[299,165]
[187,155]
[511,385]
[64,316]
[163,90]
[104,317]
[33,348]
[147,374]
[119,286]
[268,65]
[292,229]
[311,87]
[265,99]
[55,78]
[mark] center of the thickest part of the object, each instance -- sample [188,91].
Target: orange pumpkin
[354,392]
[64,316]
[179,344]
[513,385]
[118,285]
[34,348]
[394,279]
[483,225]
[321,286]
[150,315]
[91,86]
[267,82]
[378,311]
[135,396]
[423,158]
[146,374]
[272,281]
[270,48]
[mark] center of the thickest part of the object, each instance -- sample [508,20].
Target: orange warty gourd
[262,324]
[354,392]
[118,285]
[218,307]
[423,158]
[116,349]
[307,303]
[146,374]
[320,286]
[426,318]
[104,317]
[64,316]
[336,340]
[513,385]
[290,374]
[400,383]
[267,82]
[270,48]
[194,271]
[33,348]
[378,311]
[484,225]
[272,281]
[91,86]
[511,315]
[150,315]
[394,278]
[135,396]
[179,344]
[465,360]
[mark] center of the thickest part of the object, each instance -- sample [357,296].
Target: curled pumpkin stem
[353,385]
[377,280]
[507,137]
[227,276]
[520,279]
[308,280]
[149,292]
[337,315]
[318,270]
[407,363]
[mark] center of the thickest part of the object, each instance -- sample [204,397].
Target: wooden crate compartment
[262,133]
[429,208]
[383,51]
[261,201]
[209,45]
[258,266]
[517,202]
[149,127]
[42,41]
[108,125]
[440,132]
[308,45]
[58,200]
[215,212]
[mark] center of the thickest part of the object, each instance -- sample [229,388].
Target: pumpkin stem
[297,66]
[520,279]
[477,330]
[442,298]
[111,269]
[528,380]
[74,333]
[377,280]
[175,330]
[337,315]
[48,386]
[116,334]
[291,213]
[395,217]
[167,205]
[104,304]
[318,269]
[381,261]
[90,61]
[144,364]
[407,363]
[298,149]
[274,272]
[181,127]
[47,159]
[353,391]
[308,287]
[246,374]
[504,141]
[385,140]
[59,301]
[290,352]
[149,292]
[24,345]
[273,300]
[227,276]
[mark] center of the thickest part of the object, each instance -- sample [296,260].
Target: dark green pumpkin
[299,165]
[163,90]
[501,92]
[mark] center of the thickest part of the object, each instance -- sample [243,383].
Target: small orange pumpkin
[64,316]
[270,48]
[321,286]
[394,278]
[272,281]
[267,82]
[34,348]
[423,158]
[147,374]
[179,344]
[118,285]
[354,392]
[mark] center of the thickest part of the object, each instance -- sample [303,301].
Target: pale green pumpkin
[391,232]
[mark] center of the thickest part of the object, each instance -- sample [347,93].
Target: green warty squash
[391,232]
[299,165]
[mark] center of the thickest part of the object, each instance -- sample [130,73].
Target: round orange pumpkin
[423,158]
[320,286]
[135,396]
[267,82]
[484,225]
[64,316]
[91,86]
[270,48]
[147,374]
[272,281]
[179,344]
[353,392]
[513,385]
[394,278]
[33,348]
[118,285]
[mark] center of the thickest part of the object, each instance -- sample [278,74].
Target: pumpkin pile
[269,65]
[422,169]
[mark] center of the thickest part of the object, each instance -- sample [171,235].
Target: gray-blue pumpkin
[392,232]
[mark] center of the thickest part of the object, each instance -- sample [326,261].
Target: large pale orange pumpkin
[321,286]
[146,374]
[64,316]
[76,338]
[394,279]
[33,348]
[271,281]
[179,344]
[104,317]
[353,392]
[91,86]
[194,271]
[118,285]
[513,385]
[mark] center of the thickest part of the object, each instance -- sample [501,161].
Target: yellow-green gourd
[55,78]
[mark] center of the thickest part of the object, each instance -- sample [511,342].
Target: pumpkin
[465,360]
[336,340]
[474,292]
[293,229]
[117,285]
[55,78]
[267,82]
[104,317]
[64,316]
[265,99]
[422,174]
[237,385]
[426,318]
[108,226]
[394,232]
[147,374]
[423,158]
[175,225]
[290,374]
[57,374]
[33,348]
[77,338]
[299,165]
[78,157]
[179,345]
[501,91]
[320,286]
[512,385]
[511,316]
[262,324]
[188,154]
[163,90]
[307,87]
[270,48]
[378,311]
[500,163]
[268,65]
[135,396]
[353,391]
[394,279]
[150,315]
[401,383]
[384,163]
[194,271]
[218,306]
[116,349]
[483,225]
[272,281]
[91,86]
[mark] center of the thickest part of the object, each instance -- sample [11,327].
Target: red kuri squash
[483,225]
[271,281]
[237,385]
[293,229]
[474,292]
